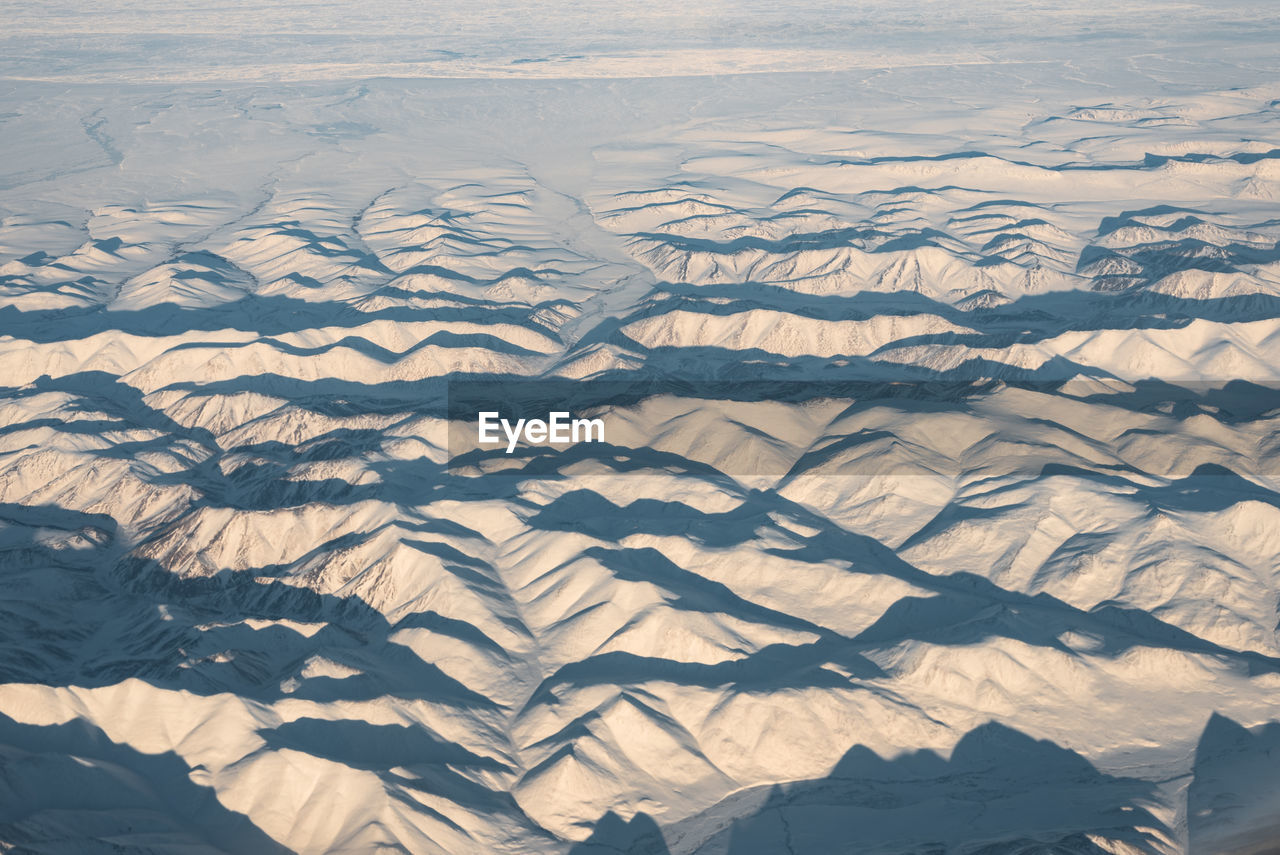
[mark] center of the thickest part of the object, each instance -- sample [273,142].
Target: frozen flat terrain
[948,522]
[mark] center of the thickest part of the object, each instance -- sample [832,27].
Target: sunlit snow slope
[950,523]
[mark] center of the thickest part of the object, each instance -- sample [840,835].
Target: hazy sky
[238,38]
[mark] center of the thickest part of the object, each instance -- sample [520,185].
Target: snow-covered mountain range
[940,504]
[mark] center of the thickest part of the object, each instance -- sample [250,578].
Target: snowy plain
[954,529]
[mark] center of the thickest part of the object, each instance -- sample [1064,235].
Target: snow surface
[958,533]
